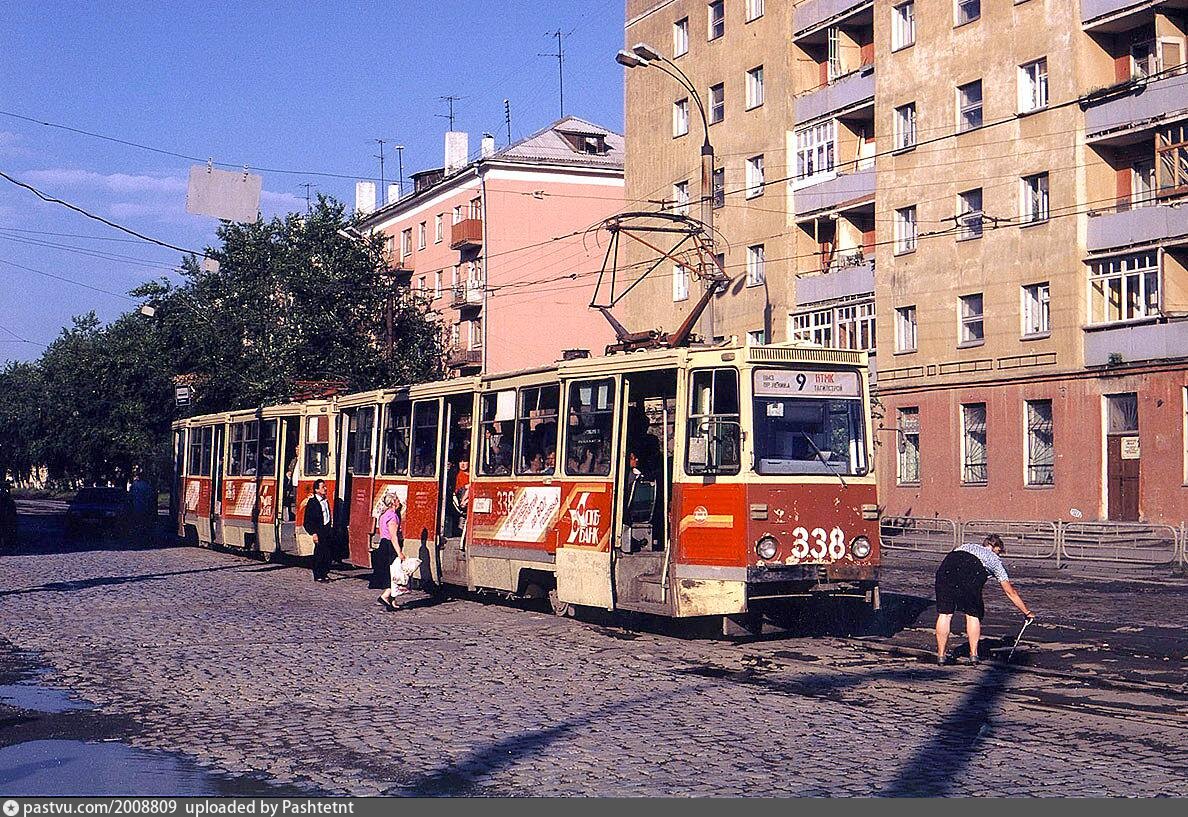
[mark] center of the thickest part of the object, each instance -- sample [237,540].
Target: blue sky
[301,86]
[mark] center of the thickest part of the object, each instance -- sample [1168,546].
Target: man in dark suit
[319,525]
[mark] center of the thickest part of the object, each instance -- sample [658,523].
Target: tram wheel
[560,608]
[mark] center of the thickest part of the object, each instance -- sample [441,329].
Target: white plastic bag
[402,570]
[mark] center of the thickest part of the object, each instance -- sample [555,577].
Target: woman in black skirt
[385,552]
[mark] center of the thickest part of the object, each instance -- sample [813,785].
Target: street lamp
[643,55]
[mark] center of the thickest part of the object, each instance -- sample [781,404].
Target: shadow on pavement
[107,581]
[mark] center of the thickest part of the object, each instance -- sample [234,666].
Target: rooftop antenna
[307,186]
[507,118]
[450,100]
[400,159]
[560,55]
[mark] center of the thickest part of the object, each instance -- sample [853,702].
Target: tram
[677,482]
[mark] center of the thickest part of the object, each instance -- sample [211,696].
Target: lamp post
[644,56]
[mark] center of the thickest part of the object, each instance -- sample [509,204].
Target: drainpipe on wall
[482,174]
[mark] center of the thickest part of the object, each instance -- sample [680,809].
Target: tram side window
[714,432]
[537,439]
[251,448]
[317,447]
[268,448]
[235,461]
[364,425]
[588,443]
[201,442]
[394,461]
[424,453]
[498,432]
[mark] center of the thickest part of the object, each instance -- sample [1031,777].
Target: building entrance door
[1123,457]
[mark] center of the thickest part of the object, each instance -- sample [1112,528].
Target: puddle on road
[38,698]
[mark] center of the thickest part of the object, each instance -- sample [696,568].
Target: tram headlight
[767,547]
[860,547]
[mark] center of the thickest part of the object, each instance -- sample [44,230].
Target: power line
[68,280]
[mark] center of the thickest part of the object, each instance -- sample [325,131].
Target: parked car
[104,510]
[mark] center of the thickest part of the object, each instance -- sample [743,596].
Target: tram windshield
[809,422]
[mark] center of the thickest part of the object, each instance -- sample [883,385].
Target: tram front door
[454,489]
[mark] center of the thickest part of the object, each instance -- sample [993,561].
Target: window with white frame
[717,19]
[833,53]
[755,176]
[903,25]
[974,457]
[908,471]
[905,126]
[756,272]
[1041,444]
[755,87]
[1036,310]
[680,198]
[680,117]
[966,11]
[1171,159]
[422,233]
[476,333]
[438,228]
[455,277]
[812,327]
[1033,86]
[856,327]
[457,213]
[437,284]
[815,148]
[969,106]
[969,214]
[406,242]
[680,282]
[754,10]
[1033,198]
[973,324]
[680,37]
[758,337]
[717,103]
[1124,288]
[905,229]
[1142,183]
[1144,59]
[905,329]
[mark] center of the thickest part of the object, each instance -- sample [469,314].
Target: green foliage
[293,300]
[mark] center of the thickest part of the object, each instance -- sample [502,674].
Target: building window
[813,327]
[833,52]
[680,117]
[719,192]
[903,25]
[755,87]
[422,232]
[967,11]
[476,333]
[680,198]
[856,327]
[969,214]
[757,337]
[1033,86]
[457,213]
[969,106]
[905,126]
[717,19]
[1041,451]
[1124,288]
[973,326]
[437,284]
[755,176]
[1033,202]
[908,472]
[1171,159]
[755,265]
[438,229]
[973,444]
[1144,59]
[815,149]
[406,243]
[905,329]
[680,283]
[1142,183]
[754,10]
[1036,310]
[905,229]
[680,37]
[717,111]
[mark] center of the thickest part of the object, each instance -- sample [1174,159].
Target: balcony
[1137,226]
[466,233]
[835,193]
[1120,15]
[1136,342]
[1141,106]
[850,275]
[843,94]
[812,14]
[459,358]
[466,295]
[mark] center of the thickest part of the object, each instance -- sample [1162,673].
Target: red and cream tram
[678,482]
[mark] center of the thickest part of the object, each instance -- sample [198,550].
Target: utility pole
[560,55]
[383,194]
[507,118]
[450,100]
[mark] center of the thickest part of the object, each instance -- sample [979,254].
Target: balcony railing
[1132,223]
[467,295]
[845,93]
[835,192]
[848,275]
[812,13]
[1114,345]
[1131,105]
[466,233]
[457,357]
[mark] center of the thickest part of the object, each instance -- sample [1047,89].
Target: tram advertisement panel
[240,497]
[197,496]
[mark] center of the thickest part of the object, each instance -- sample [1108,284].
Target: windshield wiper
[824,461]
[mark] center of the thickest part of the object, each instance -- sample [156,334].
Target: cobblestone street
[256,673]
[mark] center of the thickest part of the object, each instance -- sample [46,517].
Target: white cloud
[110,182]
[281,202]
[12,144]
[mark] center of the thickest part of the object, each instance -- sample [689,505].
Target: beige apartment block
[737,55]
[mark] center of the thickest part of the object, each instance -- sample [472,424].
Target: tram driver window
[537,439]
[801,430]
[397,429]
[588,428]
[424,453]
[317,447]
[714,433]
[498,421]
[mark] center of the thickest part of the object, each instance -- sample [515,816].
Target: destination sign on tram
[804,383]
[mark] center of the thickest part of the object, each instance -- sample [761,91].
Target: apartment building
[735,54]
[1031,246]
[490,244]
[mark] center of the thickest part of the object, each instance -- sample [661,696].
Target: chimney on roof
[364,197]
[488,146]
[457,150]
[393,192]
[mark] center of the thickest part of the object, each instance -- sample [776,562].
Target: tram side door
[216,486]
[176,497]
[453,488]
[286,501]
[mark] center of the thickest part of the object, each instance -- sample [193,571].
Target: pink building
[491,241]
